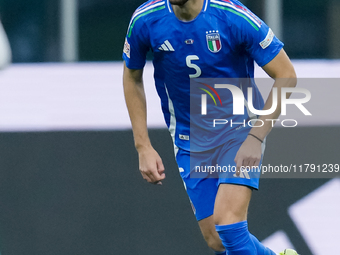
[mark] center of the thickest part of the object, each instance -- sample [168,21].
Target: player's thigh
[234,191]
[231,204]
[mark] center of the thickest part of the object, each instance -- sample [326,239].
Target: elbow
[292,78]
[291,73]
[289,76]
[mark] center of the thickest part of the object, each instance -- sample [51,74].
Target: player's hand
[249,154]
[151,165]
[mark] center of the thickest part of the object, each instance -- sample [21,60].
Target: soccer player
[193,39]
[5,50]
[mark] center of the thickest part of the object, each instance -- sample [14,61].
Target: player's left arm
[282,71]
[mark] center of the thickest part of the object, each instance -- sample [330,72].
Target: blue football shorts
[203,172]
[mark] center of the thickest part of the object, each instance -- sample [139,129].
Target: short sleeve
[258,39]
[136,45]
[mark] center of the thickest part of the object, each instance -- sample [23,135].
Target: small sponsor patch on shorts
[127,48]
[268,40]
[184,137]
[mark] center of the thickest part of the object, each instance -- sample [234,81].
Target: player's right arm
[136,46]
[150,163]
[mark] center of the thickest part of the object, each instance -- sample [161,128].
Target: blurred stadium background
[69,181]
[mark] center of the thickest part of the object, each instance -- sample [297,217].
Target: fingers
[152,168]
[244,162]
[152,176]
[257,162]
[146,177]
[160,169]
[239,164]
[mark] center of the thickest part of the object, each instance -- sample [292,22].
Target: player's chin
[178,2]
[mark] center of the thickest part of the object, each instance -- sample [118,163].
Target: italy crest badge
[214,41]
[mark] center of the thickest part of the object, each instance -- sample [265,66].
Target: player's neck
[189,10]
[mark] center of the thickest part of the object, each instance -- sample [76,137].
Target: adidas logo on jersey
[166,46]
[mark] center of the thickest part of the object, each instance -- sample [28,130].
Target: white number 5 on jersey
[191,65]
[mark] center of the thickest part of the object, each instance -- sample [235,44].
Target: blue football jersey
[223,41]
